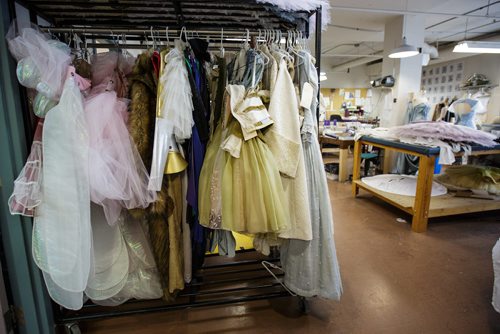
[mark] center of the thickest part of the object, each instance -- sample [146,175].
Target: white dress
[62,237]
[311,267]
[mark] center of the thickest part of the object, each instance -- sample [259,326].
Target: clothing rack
[144,38]
[219,281]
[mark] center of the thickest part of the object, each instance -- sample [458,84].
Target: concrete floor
[395,281]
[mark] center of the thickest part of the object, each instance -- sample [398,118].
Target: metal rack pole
[156,32]
[318,55]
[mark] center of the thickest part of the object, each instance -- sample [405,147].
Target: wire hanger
[222,42]
[166,35]
[152,37]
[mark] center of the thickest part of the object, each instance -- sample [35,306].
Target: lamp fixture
[404,50]
[477,47]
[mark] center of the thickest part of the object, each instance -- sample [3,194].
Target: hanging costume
[284,141]
[141,124]
[311,267]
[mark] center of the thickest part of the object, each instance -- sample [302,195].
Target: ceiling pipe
[357,62]
[408,12]
[349,55]
[432,51]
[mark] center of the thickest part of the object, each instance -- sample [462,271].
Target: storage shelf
[444,205]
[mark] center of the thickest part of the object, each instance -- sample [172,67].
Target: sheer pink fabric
[117,175]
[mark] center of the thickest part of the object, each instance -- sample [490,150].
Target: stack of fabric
[449,137]
[478,179]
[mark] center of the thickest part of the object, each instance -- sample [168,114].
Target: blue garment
[407,163]
[311,267]
[417,113]
[466,119]
[197,149]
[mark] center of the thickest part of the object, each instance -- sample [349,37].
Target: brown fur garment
[141,126]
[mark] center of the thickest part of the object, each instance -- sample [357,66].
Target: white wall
[356,78]
[489,65]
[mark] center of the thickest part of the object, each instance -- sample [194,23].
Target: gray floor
[395,281]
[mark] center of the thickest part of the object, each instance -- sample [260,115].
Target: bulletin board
[442,81]
[335,97]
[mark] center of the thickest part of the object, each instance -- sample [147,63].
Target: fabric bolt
[285,143]
[311,267]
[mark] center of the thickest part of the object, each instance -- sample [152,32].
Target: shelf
[444,205]
[478,87]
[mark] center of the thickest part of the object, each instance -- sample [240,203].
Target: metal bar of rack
[249,281]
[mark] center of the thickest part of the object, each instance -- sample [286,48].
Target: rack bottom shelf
[440,206]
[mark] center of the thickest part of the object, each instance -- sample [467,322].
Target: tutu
[43,62]
[117,174]
[141,280]
[27,194]
[111,260]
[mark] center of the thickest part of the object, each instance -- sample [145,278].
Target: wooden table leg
[356,167]
[423,195]
[387,164]
[343,158]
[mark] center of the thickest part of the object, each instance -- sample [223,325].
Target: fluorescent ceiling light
[477,47]
[404,50]
[322,76]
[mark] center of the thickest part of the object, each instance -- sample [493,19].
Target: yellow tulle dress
[240,185]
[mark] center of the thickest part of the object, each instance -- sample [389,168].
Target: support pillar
[406,71]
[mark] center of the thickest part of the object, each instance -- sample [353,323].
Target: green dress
[240,184]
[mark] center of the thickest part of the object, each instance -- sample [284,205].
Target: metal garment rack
[220,281]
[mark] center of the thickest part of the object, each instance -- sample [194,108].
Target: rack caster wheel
[72,328]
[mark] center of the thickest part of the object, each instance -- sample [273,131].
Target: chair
[369,157]
[337,118]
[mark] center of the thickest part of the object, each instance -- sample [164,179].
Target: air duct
[430,50]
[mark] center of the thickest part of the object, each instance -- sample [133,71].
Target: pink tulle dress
[118,178]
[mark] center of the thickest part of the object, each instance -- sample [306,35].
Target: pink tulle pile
[117,175]
[444,131]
